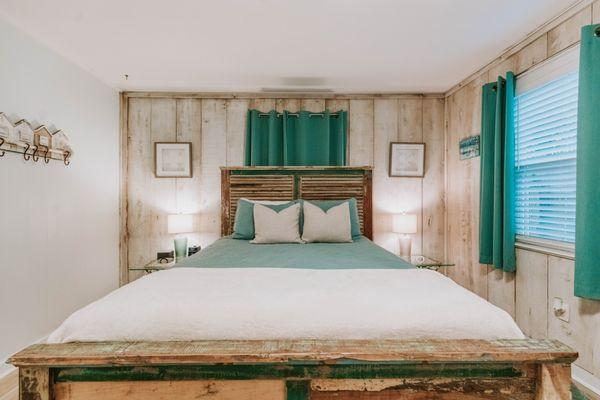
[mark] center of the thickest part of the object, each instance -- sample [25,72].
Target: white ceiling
[237,45]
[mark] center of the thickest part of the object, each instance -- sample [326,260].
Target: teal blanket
[235,253]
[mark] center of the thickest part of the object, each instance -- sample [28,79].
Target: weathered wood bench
[297,370]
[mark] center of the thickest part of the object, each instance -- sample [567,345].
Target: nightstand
[426,262]
[154,266]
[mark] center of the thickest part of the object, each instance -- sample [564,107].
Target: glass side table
[154,266]
[425,262]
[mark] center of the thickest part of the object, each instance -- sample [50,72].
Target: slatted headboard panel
[288,183]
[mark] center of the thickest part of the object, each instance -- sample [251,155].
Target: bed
[296,322]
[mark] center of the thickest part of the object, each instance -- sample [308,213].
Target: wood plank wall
[216,127]
[528,294]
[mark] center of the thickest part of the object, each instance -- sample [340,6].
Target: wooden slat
[531,54]
[180,390]
[256,187]
[256,351]
[532,293]
[237,111]
[313,105]
[554,382]
[214,154]
[360,138]
[292,105]
[294,370]
[386,189]
[139,175]
[189,129]
[297,390]
[433,202]
[410,200]
[462,190]
[123,193]
[428,388]
[35,384]
[329,187]
[569,32]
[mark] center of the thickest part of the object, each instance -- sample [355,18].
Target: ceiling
[249,45]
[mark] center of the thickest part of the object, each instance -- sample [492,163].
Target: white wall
[58,225]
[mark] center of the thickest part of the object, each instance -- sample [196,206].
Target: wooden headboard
[289,183]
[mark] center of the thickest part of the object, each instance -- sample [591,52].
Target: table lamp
[404,225]
[177,224]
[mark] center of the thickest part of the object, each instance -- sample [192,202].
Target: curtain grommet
[597,32]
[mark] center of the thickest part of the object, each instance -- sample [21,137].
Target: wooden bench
[297,370]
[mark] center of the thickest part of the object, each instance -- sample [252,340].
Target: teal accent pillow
[354,219]
[243,226]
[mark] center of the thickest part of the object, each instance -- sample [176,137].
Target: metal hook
[66,157]
[33,155]
[46,158]
[1,143]
[25,155]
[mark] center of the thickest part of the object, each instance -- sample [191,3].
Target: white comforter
[262,303]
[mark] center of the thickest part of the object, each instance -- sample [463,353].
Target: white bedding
[264,303]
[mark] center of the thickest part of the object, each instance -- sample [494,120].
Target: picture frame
[407,160]
[173,159]
[469,147]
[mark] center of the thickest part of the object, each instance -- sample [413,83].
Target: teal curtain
[295,139]
[587,223]
[496,219]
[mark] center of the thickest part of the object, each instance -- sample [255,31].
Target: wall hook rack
[33,144]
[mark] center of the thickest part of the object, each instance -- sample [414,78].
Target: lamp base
[181,248]
[404,246]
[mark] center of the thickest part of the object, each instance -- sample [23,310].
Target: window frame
[558,65]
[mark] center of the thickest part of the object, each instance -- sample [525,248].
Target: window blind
[546,142]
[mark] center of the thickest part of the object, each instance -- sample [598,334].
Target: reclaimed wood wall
[216,128]
[528,294]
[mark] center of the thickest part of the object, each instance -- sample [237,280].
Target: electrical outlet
[561,309]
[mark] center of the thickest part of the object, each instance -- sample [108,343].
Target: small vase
[180,248]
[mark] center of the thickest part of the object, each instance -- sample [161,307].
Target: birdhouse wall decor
[34,144]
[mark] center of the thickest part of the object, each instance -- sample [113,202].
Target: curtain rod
[297,115]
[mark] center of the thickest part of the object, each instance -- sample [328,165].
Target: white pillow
[271,226]
[332,226]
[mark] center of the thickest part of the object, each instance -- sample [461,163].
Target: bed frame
[297,369]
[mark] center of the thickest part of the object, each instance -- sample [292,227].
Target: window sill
[544,246]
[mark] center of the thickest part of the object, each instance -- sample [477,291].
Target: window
[545,154]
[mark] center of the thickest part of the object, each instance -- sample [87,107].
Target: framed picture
[469,147]
[173,160]
[407,159]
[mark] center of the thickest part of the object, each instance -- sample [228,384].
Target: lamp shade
[180,223]
[404,223]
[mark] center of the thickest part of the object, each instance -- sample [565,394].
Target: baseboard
[588,383]
[9,386]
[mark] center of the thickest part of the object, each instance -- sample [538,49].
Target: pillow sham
[243,226]
[272,226]
[331,226]
[353,209]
